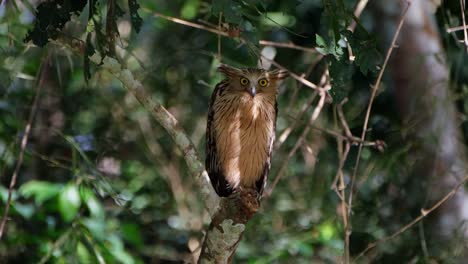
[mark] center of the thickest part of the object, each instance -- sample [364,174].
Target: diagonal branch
[465,31]
[170,124]
[24,141]
[229,215]
[375,88]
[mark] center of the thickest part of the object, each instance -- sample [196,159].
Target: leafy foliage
[368,58]
[135,18]
[335,21]
[48,26]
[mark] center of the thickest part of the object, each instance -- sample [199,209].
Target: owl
[241,129]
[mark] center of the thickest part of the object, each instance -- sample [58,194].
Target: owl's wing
[261,182]
[212,163]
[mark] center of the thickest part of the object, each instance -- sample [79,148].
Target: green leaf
[97,227]
[335,19]
[69,202]
[340,75]
[278,19]
[327,231]
[328,48]
[25,210]
[51,17]
[190,9]
[364,47]
[40,190]
[94,206]
[320,41]
[132,233]
[116,247]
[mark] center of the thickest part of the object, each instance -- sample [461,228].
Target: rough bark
[421,79]
[227,226]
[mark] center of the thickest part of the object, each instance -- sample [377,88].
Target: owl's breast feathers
[240,136]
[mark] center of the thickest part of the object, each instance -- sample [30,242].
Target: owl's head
[253,81]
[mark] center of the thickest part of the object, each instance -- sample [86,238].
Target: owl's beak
[253,91]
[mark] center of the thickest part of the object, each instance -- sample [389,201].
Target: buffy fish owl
[241,129]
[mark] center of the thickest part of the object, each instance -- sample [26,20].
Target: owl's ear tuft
[228,70]
[279,74]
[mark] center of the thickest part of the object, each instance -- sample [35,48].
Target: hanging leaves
[365,49]
[51,17]
[135,18]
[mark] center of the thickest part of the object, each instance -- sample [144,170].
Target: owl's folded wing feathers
[212,163]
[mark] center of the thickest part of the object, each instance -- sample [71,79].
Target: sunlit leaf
[69,202]
[40,190]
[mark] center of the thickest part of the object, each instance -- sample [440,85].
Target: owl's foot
[249,199]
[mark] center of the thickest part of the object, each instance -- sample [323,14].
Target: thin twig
[24,142]
[357,12]
[57,244]
[188,23]
[375,87]
[222,33]
[465,30]
[422,238]
[309,70]
[342,190]
[288,45]
[323,81]
[286,132]
[454,29]
[295,76]
[344,124]
[219,37]
[299,142]
[424,213]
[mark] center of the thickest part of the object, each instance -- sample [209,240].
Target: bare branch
[375,87]
[357,12]
[465,30]
[220,58]
[454,29]
[42,72]
[286,132]
[189,24]
[172,127]
[299,142]
[288,45]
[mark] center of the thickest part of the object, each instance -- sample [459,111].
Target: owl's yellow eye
[263,82]
[244,81]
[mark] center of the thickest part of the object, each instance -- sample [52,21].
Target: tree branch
[229,215]
[24,141]
[170,124]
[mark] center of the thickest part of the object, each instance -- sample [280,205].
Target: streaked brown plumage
[241,129]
